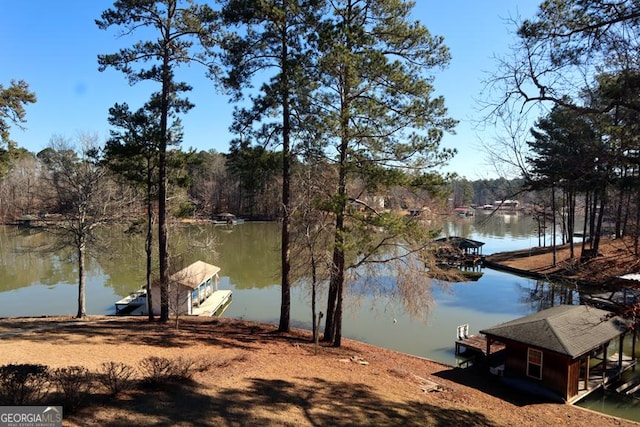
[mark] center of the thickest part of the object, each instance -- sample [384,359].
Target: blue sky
[53,45]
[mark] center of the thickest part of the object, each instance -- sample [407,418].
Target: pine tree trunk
[162,193]
[149,243]
[285,304]
[601,213]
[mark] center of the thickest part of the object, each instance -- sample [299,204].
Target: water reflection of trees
[124,263]
[545,295]
[25,260]
[409,292]
[250,253]
[496,225]
[246,252]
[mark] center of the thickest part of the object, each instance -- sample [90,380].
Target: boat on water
[192,291]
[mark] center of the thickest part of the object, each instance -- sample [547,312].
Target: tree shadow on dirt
[313,401]
[215,332]
[475,378]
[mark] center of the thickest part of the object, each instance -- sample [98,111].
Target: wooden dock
[600,377]
[476,344]
[214,305]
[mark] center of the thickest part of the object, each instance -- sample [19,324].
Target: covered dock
[458,252]
[467,246]
[563,349]
[191,291]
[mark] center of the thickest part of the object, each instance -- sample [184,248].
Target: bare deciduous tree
[80,189]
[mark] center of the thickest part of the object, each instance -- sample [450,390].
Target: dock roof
[193,275]
[572,330]
[460,242]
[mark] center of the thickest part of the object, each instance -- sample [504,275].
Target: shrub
[74,383]
[156,370]
[116,376]
[185,209]
[185,368]
[23,384]
[159,370]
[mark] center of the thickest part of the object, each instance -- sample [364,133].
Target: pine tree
[178,26]
[274,35]
[380,115]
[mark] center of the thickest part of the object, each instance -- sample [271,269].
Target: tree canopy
[560,52]
[12,102]
[13,99]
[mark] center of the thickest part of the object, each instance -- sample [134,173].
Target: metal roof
[193,275]
[572,330]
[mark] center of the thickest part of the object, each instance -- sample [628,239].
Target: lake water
[34,282]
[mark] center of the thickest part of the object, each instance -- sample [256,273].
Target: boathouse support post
[604,360]
[620,350]
[587,372]
[633,350]
[488,352]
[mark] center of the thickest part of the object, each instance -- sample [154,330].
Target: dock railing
[462,331]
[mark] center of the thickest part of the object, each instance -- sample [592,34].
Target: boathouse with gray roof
[568,349]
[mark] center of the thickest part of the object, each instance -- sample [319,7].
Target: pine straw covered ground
[615,257]
[259,377]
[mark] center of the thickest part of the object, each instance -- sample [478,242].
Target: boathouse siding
[559,372]
[554,348]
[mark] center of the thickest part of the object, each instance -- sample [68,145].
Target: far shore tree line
[203,185]
[338,130]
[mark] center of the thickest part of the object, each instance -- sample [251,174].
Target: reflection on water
[613,403]
[36,282]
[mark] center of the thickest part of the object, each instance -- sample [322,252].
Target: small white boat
[133,302]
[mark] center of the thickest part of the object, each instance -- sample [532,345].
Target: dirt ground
[260,377]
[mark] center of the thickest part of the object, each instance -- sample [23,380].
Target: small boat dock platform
[471,346]
[215,305]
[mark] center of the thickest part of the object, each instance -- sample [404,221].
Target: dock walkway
[218,301]
[476,344]
[600,377]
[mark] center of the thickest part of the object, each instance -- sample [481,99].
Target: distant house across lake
[506,205]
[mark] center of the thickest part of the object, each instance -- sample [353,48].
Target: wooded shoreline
[615,258]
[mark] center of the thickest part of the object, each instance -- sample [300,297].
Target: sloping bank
[537,263]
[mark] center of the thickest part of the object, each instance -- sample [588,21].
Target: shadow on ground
[313,401]
[139,331]
[490,384]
